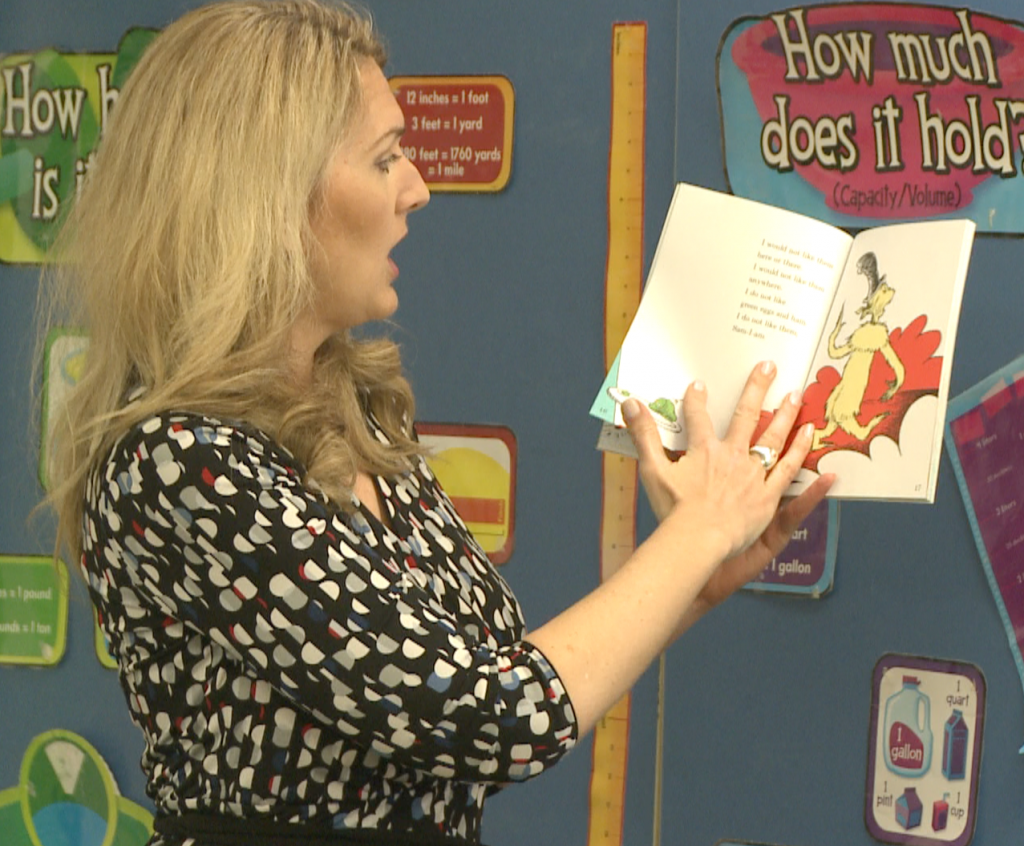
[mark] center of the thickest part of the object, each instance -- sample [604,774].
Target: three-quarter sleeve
[407,647]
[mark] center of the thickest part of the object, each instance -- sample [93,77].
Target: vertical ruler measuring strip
[623,283]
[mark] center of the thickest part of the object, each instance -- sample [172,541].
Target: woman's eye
[385,163]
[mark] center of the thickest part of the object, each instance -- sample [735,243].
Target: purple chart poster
[806,567]
[985,440]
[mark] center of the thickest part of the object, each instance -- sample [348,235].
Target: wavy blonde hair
[186,254]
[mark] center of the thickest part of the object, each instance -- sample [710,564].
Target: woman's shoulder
[173,434]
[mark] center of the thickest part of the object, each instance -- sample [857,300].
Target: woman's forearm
[602,644]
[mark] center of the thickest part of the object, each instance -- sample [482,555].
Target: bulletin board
[768,732]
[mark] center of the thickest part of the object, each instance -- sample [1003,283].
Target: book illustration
[915,347]
[864,325]
[885,373]
[843,406]
[665,412]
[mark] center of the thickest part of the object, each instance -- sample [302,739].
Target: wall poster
[33,610]
[458,130]
[476,465]
[53,107]
[66,794]
[924,753]
[985,441]
[861,113]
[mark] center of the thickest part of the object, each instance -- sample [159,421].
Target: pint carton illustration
[908,809]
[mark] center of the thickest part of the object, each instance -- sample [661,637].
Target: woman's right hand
[718,486]
[713,504]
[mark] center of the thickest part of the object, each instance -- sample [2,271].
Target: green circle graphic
[62,769]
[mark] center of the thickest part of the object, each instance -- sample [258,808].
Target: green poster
[63,362]
[53,107]
[33,609]
[66,796]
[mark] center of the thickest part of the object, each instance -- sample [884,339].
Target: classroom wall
[501,322]
[769,699]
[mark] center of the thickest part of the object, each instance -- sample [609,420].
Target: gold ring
[768,456]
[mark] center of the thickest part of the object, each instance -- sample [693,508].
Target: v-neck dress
[290,660]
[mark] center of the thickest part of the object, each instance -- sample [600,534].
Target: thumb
[642,429]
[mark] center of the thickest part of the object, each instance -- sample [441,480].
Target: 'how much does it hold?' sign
[862,112]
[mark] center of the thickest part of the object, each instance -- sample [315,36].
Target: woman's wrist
[702,535]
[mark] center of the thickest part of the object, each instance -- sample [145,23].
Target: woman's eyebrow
[389,136]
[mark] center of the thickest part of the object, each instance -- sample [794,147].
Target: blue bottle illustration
[908,733]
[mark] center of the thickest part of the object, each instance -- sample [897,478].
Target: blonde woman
[313,645]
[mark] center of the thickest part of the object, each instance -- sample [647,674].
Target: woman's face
[370,189]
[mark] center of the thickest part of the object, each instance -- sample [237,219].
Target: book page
[879,381]
[733,282]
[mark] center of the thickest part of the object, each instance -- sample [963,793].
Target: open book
[865,324]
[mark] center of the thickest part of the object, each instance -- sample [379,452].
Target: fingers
[748,409]
[651,455]
[695,415]
[791,461]
[642,429]
[777,432]
[721,471]
[796,510]
[792,513]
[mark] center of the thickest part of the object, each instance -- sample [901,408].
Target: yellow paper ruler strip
[625,262]
[623,284]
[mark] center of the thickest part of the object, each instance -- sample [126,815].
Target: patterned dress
[287,660]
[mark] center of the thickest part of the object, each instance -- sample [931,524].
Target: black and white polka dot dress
[287,660]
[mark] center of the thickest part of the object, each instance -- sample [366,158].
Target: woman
[312,643]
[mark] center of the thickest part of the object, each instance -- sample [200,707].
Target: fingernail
[796,397]
[697,385]
[767,367]
[807,430]
[630,409]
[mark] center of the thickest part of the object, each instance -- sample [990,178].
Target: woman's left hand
[735,572]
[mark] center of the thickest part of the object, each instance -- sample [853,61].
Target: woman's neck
[307,336]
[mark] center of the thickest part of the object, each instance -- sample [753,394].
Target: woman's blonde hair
[186,254]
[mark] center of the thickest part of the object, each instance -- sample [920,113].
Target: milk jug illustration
[908,733]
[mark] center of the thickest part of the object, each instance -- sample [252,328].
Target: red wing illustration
[915,348]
